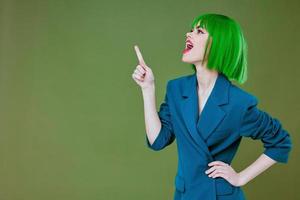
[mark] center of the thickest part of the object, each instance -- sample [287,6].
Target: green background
[71,116]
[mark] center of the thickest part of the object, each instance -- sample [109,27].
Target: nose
[188,34]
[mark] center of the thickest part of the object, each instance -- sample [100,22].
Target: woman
[208,115]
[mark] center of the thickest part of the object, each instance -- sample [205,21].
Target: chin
[189,61]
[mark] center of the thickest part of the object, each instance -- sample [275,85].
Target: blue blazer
[229,114]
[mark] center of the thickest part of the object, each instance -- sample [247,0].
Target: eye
[198,31]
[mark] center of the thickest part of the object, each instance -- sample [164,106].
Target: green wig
[228,49]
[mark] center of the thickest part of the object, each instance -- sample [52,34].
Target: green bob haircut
[228,48]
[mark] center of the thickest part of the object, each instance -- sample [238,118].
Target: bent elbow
[164,138]
[281,151]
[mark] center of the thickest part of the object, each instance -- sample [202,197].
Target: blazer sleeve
[258,124]
[166,135]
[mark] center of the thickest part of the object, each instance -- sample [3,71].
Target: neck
[205,76]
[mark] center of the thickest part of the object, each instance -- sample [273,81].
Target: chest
[202,99]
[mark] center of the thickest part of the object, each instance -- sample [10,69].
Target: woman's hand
[224,170]
[142,75]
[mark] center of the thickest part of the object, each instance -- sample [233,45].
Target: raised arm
[159,132]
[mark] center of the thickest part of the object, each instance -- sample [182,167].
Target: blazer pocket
[223,187]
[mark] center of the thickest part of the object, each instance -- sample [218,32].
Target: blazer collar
[219,92]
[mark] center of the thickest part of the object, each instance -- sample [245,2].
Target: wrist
[148,89]
[242,179]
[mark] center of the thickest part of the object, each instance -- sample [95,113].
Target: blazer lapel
[211,115]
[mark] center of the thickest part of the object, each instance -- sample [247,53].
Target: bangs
[202,20]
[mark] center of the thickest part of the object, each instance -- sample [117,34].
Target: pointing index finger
[139,55]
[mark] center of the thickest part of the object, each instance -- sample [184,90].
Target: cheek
[199,49]
[200,43]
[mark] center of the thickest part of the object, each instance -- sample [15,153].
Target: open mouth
[188,46]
